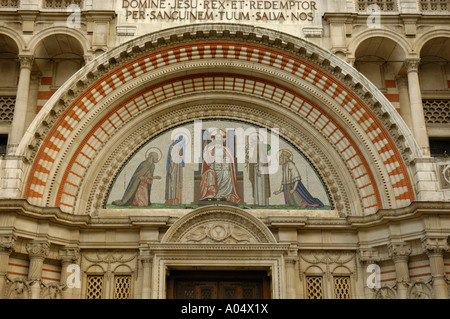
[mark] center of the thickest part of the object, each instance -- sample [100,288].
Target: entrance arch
[221,240]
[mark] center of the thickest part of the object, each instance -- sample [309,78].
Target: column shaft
[440,286]
[37,253]
[21,107]
[400,252]
[405,107]
[435,247]
[146,278]
[417,116]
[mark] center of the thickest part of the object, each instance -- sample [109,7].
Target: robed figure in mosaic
[218,177]
[295,193]
[174,171]
[258,170]
[139,188]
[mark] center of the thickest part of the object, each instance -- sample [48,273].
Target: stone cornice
[384,216]
[24,208]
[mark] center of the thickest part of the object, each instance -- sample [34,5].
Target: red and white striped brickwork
[51,149]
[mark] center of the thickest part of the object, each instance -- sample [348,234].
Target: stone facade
[360,93]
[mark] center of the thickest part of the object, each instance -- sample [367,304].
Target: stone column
[415,97]
[146,260]
[37,251]
[6,248]
[21,107]
[405,107]
[435,248]
[33,97]
[368,256]
[290,261]
[400,252]
[68,256]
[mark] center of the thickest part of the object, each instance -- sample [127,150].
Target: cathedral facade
[168,149]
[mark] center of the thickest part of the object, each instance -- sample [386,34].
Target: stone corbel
[369,255]
[7,243]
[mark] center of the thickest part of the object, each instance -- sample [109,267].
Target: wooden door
[218,285]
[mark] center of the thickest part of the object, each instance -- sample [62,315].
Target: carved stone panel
[219,224]
[215,232]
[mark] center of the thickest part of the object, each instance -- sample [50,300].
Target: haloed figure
[295,193]
[140,186]
[219,179]
[174,171]
[258,170]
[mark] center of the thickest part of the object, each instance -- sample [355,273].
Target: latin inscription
[219,10]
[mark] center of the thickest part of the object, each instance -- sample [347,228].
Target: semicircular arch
[92,90]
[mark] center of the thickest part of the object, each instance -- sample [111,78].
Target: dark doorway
[183,284]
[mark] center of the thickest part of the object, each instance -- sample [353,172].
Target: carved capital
[7,244]
[38,250]
[292,254]
[402,81]
[369,255]
[145,257]
[69,255]
[26,61]
[412,65]
[399,251]
[435,245]
[36,76]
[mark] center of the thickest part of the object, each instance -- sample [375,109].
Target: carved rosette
[38,250]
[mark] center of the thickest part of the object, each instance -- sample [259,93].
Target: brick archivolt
[305,84]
